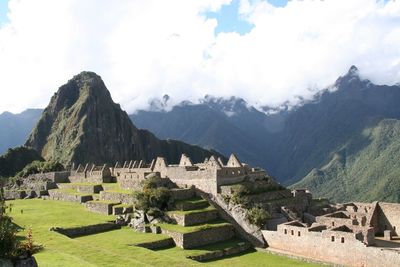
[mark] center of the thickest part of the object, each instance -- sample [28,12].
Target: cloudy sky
[267,52]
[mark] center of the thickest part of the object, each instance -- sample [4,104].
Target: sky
[267,52]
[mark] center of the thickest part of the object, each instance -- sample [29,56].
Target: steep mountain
[15,128]
[366,168]
[314,131]
[82,124]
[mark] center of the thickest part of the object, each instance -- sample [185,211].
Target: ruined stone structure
[351,236]
[207,176]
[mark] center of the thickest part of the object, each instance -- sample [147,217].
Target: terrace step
[103,207]
[221,250]
[182,193]
[82,187]
[194,217]
[191,204]
[121,196]
[71,196]
[197,236]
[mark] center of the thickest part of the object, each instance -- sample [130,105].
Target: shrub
[239,194]
[152,200]
[258,216]
[8,232]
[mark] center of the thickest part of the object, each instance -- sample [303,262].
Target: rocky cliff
[82,124]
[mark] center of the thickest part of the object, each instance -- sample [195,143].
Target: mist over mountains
[343,143]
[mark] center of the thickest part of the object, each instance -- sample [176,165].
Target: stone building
[207,176]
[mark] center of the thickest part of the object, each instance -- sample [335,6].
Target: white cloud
[145,49]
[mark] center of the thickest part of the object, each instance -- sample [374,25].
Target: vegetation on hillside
[367,168]
[39,167]
[15,159]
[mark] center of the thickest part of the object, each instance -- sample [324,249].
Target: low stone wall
[182,205]
[321,246]
[182,193]
[201,237]
[90,189]
[165,243]
[118,210]
[100,207]
[241,247]
[116,197]
[194,218]
[86,230]
[90,179]
[21,194]
[64,196]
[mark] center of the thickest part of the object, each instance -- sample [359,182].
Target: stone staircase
[197,227]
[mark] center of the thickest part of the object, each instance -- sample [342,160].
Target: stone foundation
[116,197]
[201,237]
[101,207]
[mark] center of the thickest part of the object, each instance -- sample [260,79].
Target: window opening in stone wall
[333,223]
[342,240]
[285,231]
[332,238]
[292,232]
[298,233]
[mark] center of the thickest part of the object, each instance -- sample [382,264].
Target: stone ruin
[353,234]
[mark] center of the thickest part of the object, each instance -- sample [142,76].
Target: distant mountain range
[343,144]
[15,128]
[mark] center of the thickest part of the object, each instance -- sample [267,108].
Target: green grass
[123,205]
[188,229]
[111,248]
[186,212]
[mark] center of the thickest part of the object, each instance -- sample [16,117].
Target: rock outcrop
[82,124]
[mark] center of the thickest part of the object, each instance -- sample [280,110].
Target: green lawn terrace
[116,247]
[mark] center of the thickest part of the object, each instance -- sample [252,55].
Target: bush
[239,195]
[258,216]
[152,200]
[40,166]
[8,232]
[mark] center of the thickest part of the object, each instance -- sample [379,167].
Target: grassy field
[111,248]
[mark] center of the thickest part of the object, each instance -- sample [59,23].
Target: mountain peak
[353,71]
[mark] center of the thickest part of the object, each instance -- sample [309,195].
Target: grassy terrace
[188,229]
[112,248]
[186,212]
[73,192]
[194,200]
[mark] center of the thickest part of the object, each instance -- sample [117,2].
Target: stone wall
[182,193]
[100,207]
[64,196]
[389,217]
[57,177]
[241,247]
[194,218]
[86,230]
[329,246]
[116,197]
[201,237]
